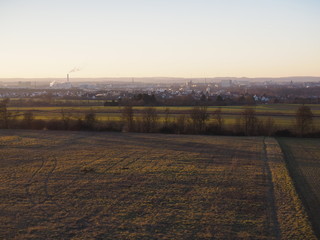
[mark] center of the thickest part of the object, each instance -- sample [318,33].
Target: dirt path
[273,220]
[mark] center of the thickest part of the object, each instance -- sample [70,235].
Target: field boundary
[299,181]
[271,196]
[291,214]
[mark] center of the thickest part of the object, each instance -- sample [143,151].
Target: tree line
[197,121]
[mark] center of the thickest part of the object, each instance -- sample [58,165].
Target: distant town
[168,91]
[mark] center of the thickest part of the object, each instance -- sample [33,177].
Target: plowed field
[79,185]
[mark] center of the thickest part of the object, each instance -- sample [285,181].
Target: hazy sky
[177,38]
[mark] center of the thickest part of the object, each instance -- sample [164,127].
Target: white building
[60,85]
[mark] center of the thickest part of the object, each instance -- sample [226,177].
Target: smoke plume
[75,69]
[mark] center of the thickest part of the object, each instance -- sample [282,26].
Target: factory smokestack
[68,77]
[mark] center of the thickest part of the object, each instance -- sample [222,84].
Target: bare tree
[218,119]
[128,117]
[304,119]
[149,119]
[248,121]
[65,118]
[4,113]
[181,121]
[90,119]
[28,118]
[199,116]
[166,117]
[269,126]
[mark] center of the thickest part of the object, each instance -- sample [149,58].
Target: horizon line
[168,77]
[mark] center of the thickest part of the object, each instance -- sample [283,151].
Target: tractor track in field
[156,211]
[142,186]
[226,177]
[72,183]
[31,196]
[119,198]
[47,196]
[124,195]
[13,181]
[51,196]
[79,175]
[93,176]
[30,182]
[46,181]
[193,234]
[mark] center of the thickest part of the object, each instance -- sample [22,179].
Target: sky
[163,38]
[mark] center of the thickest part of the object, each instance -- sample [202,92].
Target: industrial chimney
[68,77]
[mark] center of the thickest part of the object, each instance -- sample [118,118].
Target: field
[88,185]
[303,159]
[283,114]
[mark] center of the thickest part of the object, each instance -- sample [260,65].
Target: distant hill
[166,79]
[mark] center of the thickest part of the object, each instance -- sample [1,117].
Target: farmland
[87,185]
[303,160]
[283,114]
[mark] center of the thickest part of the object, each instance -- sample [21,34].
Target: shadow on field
[296,166]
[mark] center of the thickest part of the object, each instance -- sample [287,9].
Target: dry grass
[291,215]
[303,160]
[71,185]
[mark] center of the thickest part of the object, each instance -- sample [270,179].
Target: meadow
[91,185]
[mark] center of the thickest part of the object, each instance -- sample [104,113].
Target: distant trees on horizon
[197,121]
